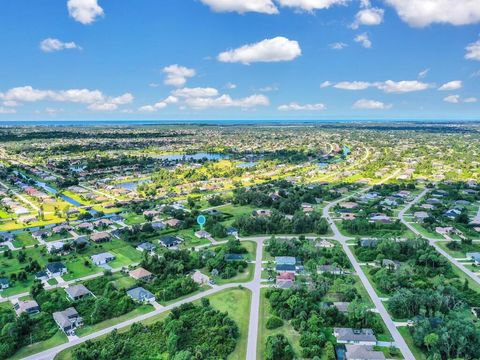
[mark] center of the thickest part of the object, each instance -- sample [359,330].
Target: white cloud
[159,105]
[269,88]
[268,50]
[420,13]
[369,17]
[293,106]
[338,46]
[195,92]
[84,11]
[11,103]
[51,45]
[112,103]
[364,40]
[230,86]
[311,5]
[83,96]
[405,86]
[473,51]
[177,75]
[388,86]
[4,110]
[423,74]
[451,85]
[325,84]
[352,85]
[471,100]
[454,99]
[371,104]
[53,111]
[226,101]
[242,6]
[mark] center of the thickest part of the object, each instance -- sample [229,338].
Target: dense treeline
[217,260]
[212,335]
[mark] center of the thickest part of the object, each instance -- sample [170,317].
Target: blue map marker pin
[201,220]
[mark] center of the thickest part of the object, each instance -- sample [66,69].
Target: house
[280,268]
[41,275]
[285,260]
[77,292]
[169,241]
[391,264]
[285,280]
[355,336]
[140,274]
[55,269]
[348,205]
[324,244]
[452,214]
[6,237]
[141,295]
[202,234]
[329,269]
[4,283]
[382,218]
[99,237]
[68,320]
[362,352]
[102,223]
[200,278]
[86,226]
[102,258]
[475,256]
[61,229]
[29,307]
[262,213]
[159,225]
[41,234]
[342,306]
[233,257]
[368,243]
[421,216]
[231,231]
[55,246]
[173,223]
[348,216]
[444,230]
[146,246]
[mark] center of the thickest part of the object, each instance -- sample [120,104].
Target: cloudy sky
[240,59]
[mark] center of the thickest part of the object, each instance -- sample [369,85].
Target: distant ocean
[199,122]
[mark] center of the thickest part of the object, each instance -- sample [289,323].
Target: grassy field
[264,333]
[462,251]
[23,239]
[132,219]
[58,339]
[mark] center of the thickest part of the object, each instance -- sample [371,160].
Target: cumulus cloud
[242,6]
[311,5]
[325,84]
[195,92]
[369,17]
[177,75]
[405,86]
[364,40]
[352,85]
[159,105]
[388,86]
[473,50]
[52,45]
[225,101]
[293,106]
[338,46]
[453,99]
[420,13]
[451,85]
[471,100]
[94,98]
[371,104]
[268,50]
[84,11]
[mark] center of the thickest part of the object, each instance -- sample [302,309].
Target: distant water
[195,122]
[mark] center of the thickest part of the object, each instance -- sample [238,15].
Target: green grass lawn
[58,339]
[246,276]
[24,239]
[132,218]
[125,256]
[427,233]
[143,309]
[418,353]
[462,251]
[77,269]
[263,333]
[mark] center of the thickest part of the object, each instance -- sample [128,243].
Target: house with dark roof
[169,241]
[146,246]
[55,269]
[4,283]
[141,295]
[77,292]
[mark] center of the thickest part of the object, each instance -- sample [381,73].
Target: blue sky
[240,59]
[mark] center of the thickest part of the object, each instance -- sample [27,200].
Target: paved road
[433,242]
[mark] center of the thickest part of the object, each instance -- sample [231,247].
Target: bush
[274,323]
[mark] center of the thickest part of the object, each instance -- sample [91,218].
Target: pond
[53,191]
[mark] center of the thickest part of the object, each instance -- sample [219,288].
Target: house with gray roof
[102,258]
[361,352]
[285,260]
[68,320]
[55,269]
[141,295]
[355,336]
[77,292]
[30,307]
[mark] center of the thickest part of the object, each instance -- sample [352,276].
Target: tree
[329,351]
[278,348]
[431,341]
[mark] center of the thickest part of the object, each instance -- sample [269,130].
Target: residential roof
[77,291]
[362,352]
[169,240]
[285,260]
[140,294]
[62,318]
[103,257]
[55,267]
[140,273]
[4,281]
[146,246]
[354,335]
